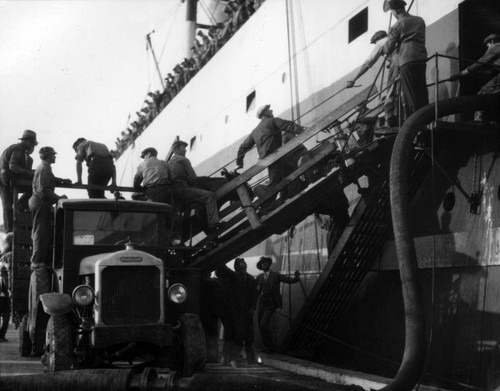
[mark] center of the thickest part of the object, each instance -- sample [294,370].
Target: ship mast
[191,6]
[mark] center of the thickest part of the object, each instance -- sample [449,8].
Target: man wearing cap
[267,136]
[99,162]
[153,174]
[40,205]
[379,39]
[15,163]
[406,39]
[183,179]
[268,286]
[490,61]
[242,303]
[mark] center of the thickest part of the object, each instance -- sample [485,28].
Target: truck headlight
[83,295]
[177,293]
[176,239]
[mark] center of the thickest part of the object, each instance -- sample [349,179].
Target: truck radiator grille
[130,295]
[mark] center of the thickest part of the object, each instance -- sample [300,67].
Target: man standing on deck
[153,174]
[268,284]
[268,138]
[40,205]
[99,162]
[183,180]
[15,163]
[490,61]
[379,39]
[406,39]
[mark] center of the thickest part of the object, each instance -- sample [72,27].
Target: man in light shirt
[152,177]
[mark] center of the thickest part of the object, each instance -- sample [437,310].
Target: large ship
[297,55]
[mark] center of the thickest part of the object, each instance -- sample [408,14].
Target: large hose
[414,353]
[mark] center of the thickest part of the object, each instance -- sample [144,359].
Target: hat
[178,143]
[378,35]
[492,37]
[78,142]
[393,4]
[29,135]
[150,150]
[46,151]
[261,110]
[238,262]
[262,260]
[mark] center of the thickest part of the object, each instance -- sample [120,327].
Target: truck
[116,292]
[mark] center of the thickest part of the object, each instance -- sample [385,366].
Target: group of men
[16,164]
[406,55]
[174,180]
[242,295]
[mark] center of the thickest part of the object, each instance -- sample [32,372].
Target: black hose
[414,353]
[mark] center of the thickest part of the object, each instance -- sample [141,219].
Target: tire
[40,283]
[193,344]
[25,345]
[59,344]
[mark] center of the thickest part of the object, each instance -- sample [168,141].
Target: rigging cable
[209,13]
[290,56]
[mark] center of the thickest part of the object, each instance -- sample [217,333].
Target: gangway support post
[246,203]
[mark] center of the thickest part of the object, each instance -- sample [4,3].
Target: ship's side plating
[457,249]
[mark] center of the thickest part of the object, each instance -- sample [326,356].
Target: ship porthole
[449,202]
[283,77]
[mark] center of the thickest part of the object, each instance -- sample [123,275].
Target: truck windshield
[112,228]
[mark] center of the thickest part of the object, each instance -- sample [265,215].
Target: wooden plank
[249,209]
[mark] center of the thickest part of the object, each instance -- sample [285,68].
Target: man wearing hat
[183,179]
[153,174]
[99,162]
[242,303]
[406,39]
[40,205]
[379,39]
[15,163]
[490,61]
[267,136]
[268,286]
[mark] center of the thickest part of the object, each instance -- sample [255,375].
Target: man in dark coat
[15,163]
[243,300]
[268,284]
[406,39]
[99,162]
[40,205]
[490,61]
[267,136]
[4,302]
[184,179]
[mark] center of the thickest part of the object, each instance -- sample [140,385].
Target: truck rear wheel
[25,345]
[193,344]
[59,344]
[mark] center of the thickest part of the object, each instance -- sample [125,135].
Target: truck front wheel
[59,344]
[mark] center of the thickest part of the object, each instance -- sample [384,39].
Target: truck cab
[116,291]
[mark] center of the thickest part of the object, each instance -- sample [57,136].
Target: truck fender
[56,303]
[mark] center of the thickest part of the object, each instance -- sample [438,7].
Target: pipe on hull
[412,364]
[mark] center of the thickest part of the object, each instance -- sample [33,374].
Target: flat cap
[239,262]
[492,37]
[28,135]
[393,4]
[178,143]
[261,110]
[78,142]
[378,35]
[46,151]
[150,150]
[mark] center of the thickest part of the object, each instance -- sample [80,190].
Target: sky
[72,69]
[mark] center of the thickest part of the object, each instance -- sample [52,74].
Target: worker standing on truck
[40,205]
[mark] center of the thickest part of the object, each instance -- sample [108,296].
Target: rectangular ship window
[358,25]
[250,101]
